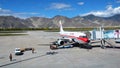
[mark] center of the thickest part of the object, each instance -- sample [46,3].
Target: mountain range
[43,22]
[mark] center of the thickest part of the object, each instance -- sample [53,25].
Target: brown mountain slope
[40,22]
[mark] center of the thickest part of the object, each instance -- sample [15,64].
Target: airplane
[79,37]
[97,36]
[75,37]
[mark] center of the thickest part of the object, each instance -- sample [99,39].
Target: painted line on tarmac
[21,60]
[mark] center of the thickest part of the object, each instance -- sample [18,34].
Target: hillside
[41,22]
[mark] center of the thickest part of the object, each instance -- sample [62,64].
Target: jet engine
[60,42]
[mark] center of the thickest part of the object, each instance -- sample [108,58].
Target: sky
[51,8]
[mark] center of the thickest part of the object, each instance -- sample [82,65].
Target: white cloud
[106,13]
[26,13]
[6,12]
[59,6]
[80,3]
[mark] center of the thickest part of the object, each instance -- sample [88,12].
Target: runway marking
[21,60]
[47,53]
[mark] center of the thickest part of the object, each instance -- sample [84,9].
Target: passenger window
[83,36]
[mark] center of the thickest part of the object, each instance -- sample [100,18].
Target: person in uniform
[10,57]
[33,50]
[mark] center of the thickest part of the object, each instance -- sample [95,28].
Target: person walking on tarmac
[10,57]
[33,50]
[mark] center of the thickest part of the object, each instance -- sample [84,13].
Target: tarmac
[61,58]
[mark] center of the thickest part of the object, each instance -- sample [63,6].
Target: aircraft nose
[86,40]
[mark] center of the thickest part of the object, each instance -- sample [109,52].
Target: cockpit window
[83,36]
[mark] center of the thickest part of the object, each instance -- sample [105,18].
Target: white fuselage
[77,36]
[72,34]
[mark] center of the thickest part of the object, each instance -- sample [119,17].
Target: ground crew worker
[33,50]
[10,57]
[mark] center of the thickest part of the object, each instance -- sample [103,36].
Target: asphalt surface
[62,58]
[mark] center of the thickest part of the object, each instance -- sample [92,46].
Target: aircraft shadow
[115,47]
[96,46]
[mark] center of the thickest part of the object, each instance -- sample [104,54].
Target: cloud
[80,3]
[60,6]
[106,13]
[7,12]
[118,1]
[26,13]
[4,11]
